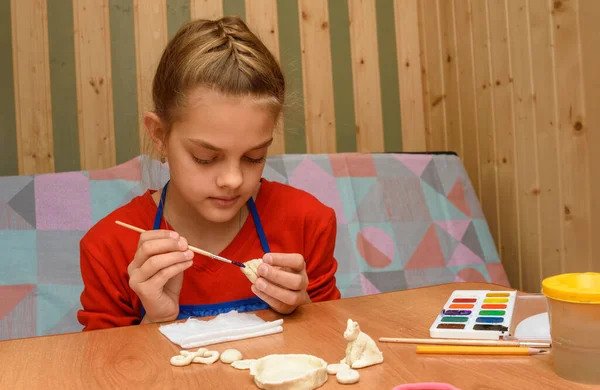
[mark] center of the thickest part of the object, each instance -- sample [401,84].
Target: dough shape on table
[202,355]
[289,371]
[243,364]
[347,377]
[230,355]
[251,269]
[361,350]
[333,369]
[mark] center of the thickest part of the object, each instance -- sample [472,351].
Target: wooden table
[138,356]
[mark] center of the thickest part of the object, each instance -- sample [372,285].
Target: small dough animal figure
[251,269]
[202,355]
[361,350]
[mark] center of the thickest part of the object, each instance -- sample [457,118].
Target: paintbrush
[497,343]
[192,248]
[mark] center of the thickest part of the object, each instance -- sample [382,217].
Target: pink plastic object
[426,386]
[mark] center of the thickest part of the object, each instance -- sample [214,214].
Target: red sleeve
[104,303]
[320,262]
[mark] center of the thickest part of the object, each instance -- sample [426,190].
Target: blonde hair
[223,55]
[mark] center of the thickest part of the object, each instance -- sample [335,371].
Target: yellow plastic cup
[574,312]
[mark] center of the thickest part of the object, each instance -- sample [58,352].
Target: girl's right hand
[156,273]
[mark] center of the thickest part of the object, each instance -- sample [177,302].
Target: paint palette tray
[475,314]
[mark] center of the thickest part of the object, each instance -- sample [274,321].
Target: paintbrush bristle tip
[238,264]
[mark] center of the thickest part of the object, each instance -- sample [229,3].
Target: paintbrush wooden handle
[450,342]
[475,350]
[192,248]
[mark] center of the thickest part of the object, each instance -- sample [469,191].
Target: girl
[218,93]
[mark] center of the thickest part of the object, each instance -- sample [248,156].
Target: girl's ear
[156,130]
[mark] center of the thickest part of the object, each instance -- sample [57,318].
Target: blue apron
[242,305]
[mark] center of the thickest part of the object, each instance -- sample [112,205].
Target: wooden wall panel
[365,71]
[206,9]
[573,130]
[317,76]
[94,84]
[544,98]
[151,36]
[589,14]
[31,70]
[261,17]
[527,180]
[409,74]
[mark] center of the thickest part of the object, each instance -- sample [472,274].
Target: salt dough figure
[202,355]
[251,269]
[231,355]
[333,369]
[347,377]
[361,350]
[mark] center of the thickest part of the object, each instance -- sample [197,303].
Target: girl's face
[217,152]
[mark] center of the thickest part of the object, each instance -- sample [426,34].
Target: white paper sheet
[229,326]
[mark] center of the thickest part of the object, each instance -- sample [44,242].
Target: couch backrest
[404,221]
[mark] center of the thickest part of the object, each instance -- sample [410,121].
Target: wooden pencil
[476,350]
[490,343]
[192,248]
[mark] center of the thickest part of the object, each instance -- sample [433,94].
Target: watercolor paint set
[475,314]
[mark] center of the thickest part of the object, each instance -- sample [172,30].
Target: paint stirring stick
[192,248]
[473,350]
[508,343]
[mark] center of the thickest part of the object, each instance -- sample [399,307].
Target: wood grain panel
[573,136]
[551,215]
[261,17]
[317,76]
[151,36]
[365,76]
[206,9]
[454,137]
[526,144]
[435,94]
[466,84]
[485,123]
[589,14]
[31,70]
[410,76]
[94,84]
[503,117]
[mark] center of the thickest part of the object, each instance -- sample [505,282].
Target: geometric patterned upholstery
[404,221]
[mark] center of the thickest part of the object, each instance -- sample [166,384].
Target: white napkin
[229,326]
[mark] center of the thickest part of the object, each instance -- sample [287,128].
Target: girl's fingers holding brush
[158,263]
[155,244]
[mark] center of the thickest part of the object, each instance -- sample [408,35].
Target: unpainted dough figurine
[202,355]
[361,350]
[251,269]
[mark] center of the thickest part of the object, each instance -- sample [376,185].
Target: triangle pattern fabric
[416,163]
[272,175]
[431,177]
[11,220]
[322,160]
[352,285]
[428,254]
[17,183]
[352,191]
[368,287]
[24,203]
[464,256]
[408,235]
[276,164]
[447,243]
[387,281]
[376,247]
[12,295]
[440,207]
[456,229]
[291,162]
[470,275]
[69,323]
[372,207]
[457,197]
[471,241]
[449,168]
[54,301]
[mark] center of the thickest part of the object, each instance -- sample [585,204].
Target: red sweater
[293,221]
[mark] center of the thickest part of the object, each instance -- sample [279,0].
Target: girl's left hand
[282,281]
